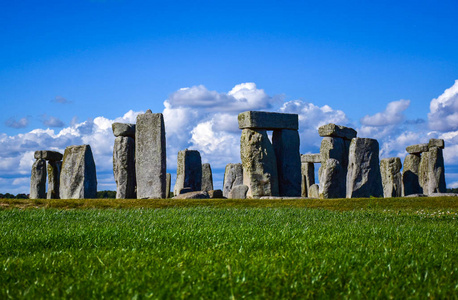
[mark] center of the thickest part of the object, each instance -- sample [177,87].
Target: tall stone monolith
[363,175]
[78,178]
[390,169]
[410,173]
[233,176]
[124,167]
[189,171]
[259,163]
[54,168]
[168,183]
[207,177]
[150,156]
[431,172]
[308,178]
[38,179]
[332,175]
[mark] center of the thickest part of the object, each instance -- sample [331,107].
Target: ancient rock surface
[207,177]
[334,148]
[48,155]
[417,149]
[185,190]
[332,183]
[259,164]
[215,194]
[363,175]
[233,176]
[267,120]
[78,177]
[390,169]
[124,167]
[38,180]
[168,184]
[238,192]
[410,179]
[150,156]
[193,195]
[333,130]
[286,146]
[123,129]
[54,168]
[189,171]
[314,191]
[308,178]
[311,158]
[431,172]
[439,143]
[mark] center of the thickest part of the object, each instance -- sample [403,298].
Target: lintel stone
[48,155]
[267,120]
[311,158]
[439,143]
[123,129]
[417,149]
[333,130]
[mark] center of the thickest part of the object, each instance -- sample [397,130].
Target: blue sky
[70,68]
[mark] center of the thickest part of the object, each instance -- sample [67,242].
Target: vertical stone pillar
[78,178]
[54,168]
[233,176]
[38,180]
[431,171]
[189,171]
[390,169]
[332,173]
[286,146]
[308,178]
[207,177]
[150,156]
[168,183]
[363,175]
[410,173]
[259,164]
[124,167]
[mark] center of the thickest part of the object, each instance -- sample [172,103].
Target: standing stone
[124,167]
[189,171]
[363,175]
[308,178]
[78,179]
[334,147]
[431,172]
[54,168]
[150,156]
[238,192]
[168,183]
[410,173]
[38,180]
[207,178]
[259,164]
[332,184]
[233,176]
[390,169]
[314,191]
[286,146]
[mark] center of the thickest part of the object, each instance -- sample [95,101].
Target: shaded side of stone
[54,168]
[48,155]
[207,177]
[233,175]
[238,192]
[332,184]
[391,177]
[410,171]
[124,167]
[78,178]
[308,178]
[268,120]
[189,171]
[150,153]
[259,164]
[38,180]
[286,146]
[123,129]
[339,131]
[215,194]
[363,175]
[336,148]
[193,195]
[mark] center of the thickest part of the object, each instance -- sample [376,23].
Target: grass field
[217,249]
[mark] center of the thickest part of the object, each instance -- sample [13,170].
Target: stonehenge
[207,178]
[38,176]
[233,176]
[38,179]
[124,160]
[390,169]
[189,171]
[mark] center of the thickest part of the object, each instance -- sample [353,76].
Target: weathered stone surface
[311,158]
[123,129]
[333,130]
[416,195]
[286,146]
[54,168]
[390,169]
[150,156]
[185,190]
[38,180]
[238,192]
[443,195]
[207,177]
[193,195]
[168,184]
[431,172]
[124,167]
[439,143]
[268,120]
[233,176]
[189,171]
[417,149]
[48,155]
[363,175]
[78,178]
[259,164]
[334,147]
[308,178]
[332,184]
[215,194]
[314,191]
[410,171]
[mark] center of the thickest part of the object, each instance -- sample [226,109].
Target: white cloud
[443,115]
[392,115]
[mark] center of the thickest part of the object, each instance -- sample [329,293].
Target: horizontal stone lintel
[333,130]
[311,158]
[417,149]
[48,155]
[268,120]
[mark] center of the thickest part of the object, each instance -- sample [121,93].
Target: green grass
[217,249]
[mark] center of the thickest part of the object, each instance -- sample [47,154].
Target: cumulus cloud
[52,121]
[443,115]
[21,123]
[392,115]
